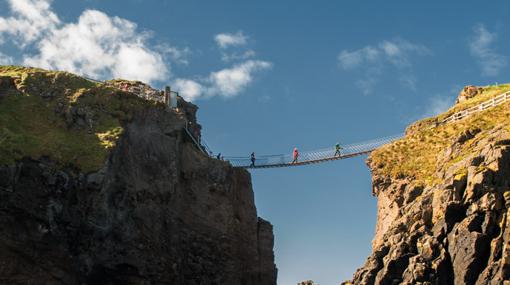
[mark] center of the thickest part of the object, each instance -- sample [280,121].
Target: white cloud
[228,82]
[373,59]
[231,81]
[391,49]
[353,59]
[30,20]
[102,46]
[396,52]
[238,42]
[481,47]
[225,40]
[399,52]
[137,62]
[188,89]
[96,45]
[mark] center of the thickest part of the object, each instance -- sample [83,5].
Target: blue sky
[271,75]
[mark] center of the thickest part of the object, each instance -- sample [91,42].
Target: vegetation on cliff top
[62,116]
[416,156]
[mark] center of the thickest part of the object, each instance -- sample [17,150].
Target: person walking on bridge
[295,155]
[252,158]
[337,150]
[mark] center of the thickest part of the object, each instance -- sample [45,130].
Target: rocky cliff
[98,186]
[444,200]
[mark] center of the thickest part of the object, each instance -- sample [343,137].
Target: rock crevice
[443,210]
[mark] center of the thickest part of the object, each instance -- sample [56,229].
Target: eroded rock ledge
[443,203]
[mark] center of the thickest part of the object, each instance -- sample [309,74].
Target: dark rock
[6,83]
[468,92]
[147,218]
[455,231]
[469,251]
[466,135]
[454,213]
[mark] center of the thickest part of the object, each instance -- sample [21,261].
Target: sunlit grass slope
[62,116]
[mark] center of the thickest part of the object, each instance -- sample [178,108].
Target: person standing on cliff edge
[295,155]
[252,158]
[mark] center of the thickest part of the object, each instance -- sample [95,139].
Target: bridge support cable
[352,150]
[310,157]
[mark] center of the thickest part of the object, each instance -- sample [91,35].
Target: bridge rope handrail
[347,151]
[327,154]
[345,148]
[314,156]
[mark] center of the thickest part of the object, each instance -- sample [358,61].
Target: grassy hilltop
[59,115]
[73,120]
[417,156]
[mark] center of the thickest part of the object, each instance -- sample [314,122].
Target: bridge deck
[305,162]
[311,157]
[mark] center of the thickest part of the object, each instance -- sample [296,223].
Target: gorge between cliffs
[101,186]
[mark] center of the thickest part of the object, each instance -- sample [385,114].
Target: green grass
[31,126]
[416,156]
[488,92]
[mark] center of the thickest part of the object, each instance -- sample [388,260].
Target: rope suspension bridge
[311,157]
[308,157]
[304,158]
[347,151]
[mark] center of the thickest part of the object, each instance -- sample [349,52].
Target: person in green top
[337,149]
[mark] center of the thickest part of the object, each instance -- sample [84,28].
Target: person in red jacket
[295,155]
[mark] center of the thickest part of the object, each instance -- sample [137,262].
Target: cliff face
[444,201]
[156,211]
